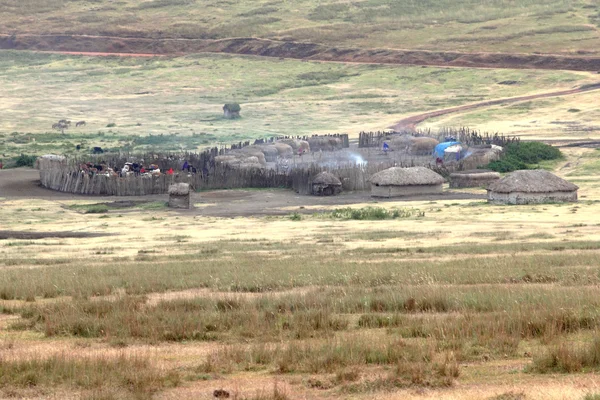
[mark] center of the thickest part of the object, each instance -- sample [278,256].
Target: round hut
[396,181]
[531,187]
[179,195]
[326,184]
[473,178]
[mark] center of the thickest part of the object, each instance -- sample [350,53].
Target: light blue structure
[439,149]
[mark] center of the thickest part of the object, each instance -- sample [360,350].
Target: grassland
[552,26]
[175,103]
[560,118]
[460,300]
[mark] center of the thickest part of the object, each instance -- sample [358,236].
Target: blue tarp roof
[439,149]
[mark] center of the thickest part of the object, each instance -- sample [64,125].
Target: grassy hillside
[568,117]
[468,25]
[175,103]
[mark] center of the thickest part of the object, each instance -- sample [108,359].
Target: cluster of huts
[519,187]
[258,155]
[448,150]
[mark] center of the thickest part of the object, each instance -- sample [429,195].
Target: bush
[90,208]
[25,161]
[523,155]
[373,213]
[111,125]
[569,358]
[233,107]
[295,217]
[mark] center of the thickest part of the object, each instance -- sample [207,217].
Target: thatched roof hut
[270,151]
[531,187]
[325,143]
[473,178]
[179,195]
[397,181]
[296,144]
[326,184]
[422,146]
[284,150]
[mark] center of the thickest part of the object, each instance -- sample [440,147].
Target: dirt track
[111,45]
[410,123]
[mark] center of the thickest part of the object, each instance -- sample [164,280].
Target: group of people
[134,169]
[139,169]
[129,169]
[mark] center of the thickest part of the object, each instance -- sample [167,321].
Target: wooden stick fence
[467,136]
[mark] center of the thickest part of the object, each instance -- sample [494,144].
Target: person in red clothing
[170,171]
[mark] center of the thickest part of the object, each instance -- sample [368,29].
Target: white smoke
[358,159]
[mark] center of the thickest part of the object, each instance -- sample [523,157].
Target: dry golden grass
[462,303]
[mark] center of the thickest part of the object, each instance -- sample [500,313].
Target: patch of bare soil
[143,46]
[23,183]
[284,202]
[43,235]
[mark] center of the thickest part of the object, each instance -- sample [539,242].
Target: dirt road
[410,123]
[113,45]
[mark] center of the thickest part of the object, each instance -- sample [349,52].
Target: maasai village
[285,200]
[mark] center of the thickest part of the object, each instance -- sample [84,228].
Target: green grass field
[552,26]
[176,103]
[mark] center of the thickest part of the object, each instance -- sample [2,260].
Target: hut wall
[531,198]
[465,181]
[321,189]
[180,201]
[399,191]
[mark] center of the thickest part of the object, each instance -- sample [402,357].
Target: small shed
[531,187]
[231,110]
[473,178]
[179,196]
[326,184]
[396,181]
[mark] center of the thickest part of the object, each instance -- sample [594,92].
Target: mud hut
[531,187]
[270,151]
[231,110]
[179,196]
[284,150]
[422,146]
[473,178]
[326,184]
[296,144]
[396,181]
[325,143]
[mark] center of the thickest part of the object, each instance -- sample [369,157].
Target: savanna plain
[420,299]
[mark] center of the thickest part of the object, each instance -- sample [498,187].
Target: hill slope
[551,26]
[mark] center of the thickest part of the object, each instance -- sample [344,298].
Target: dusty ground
[24,184]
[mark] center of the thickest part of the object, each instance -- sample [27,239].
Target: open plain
[265,294]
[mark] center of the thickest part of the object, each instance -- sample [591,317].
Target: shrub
[25,160]
[111,125]
[569,358]
[90,208]
[373,213]
[295,217]
[522,155]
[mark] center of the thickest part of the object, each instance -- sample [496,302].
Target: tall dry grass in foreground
[126,375]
